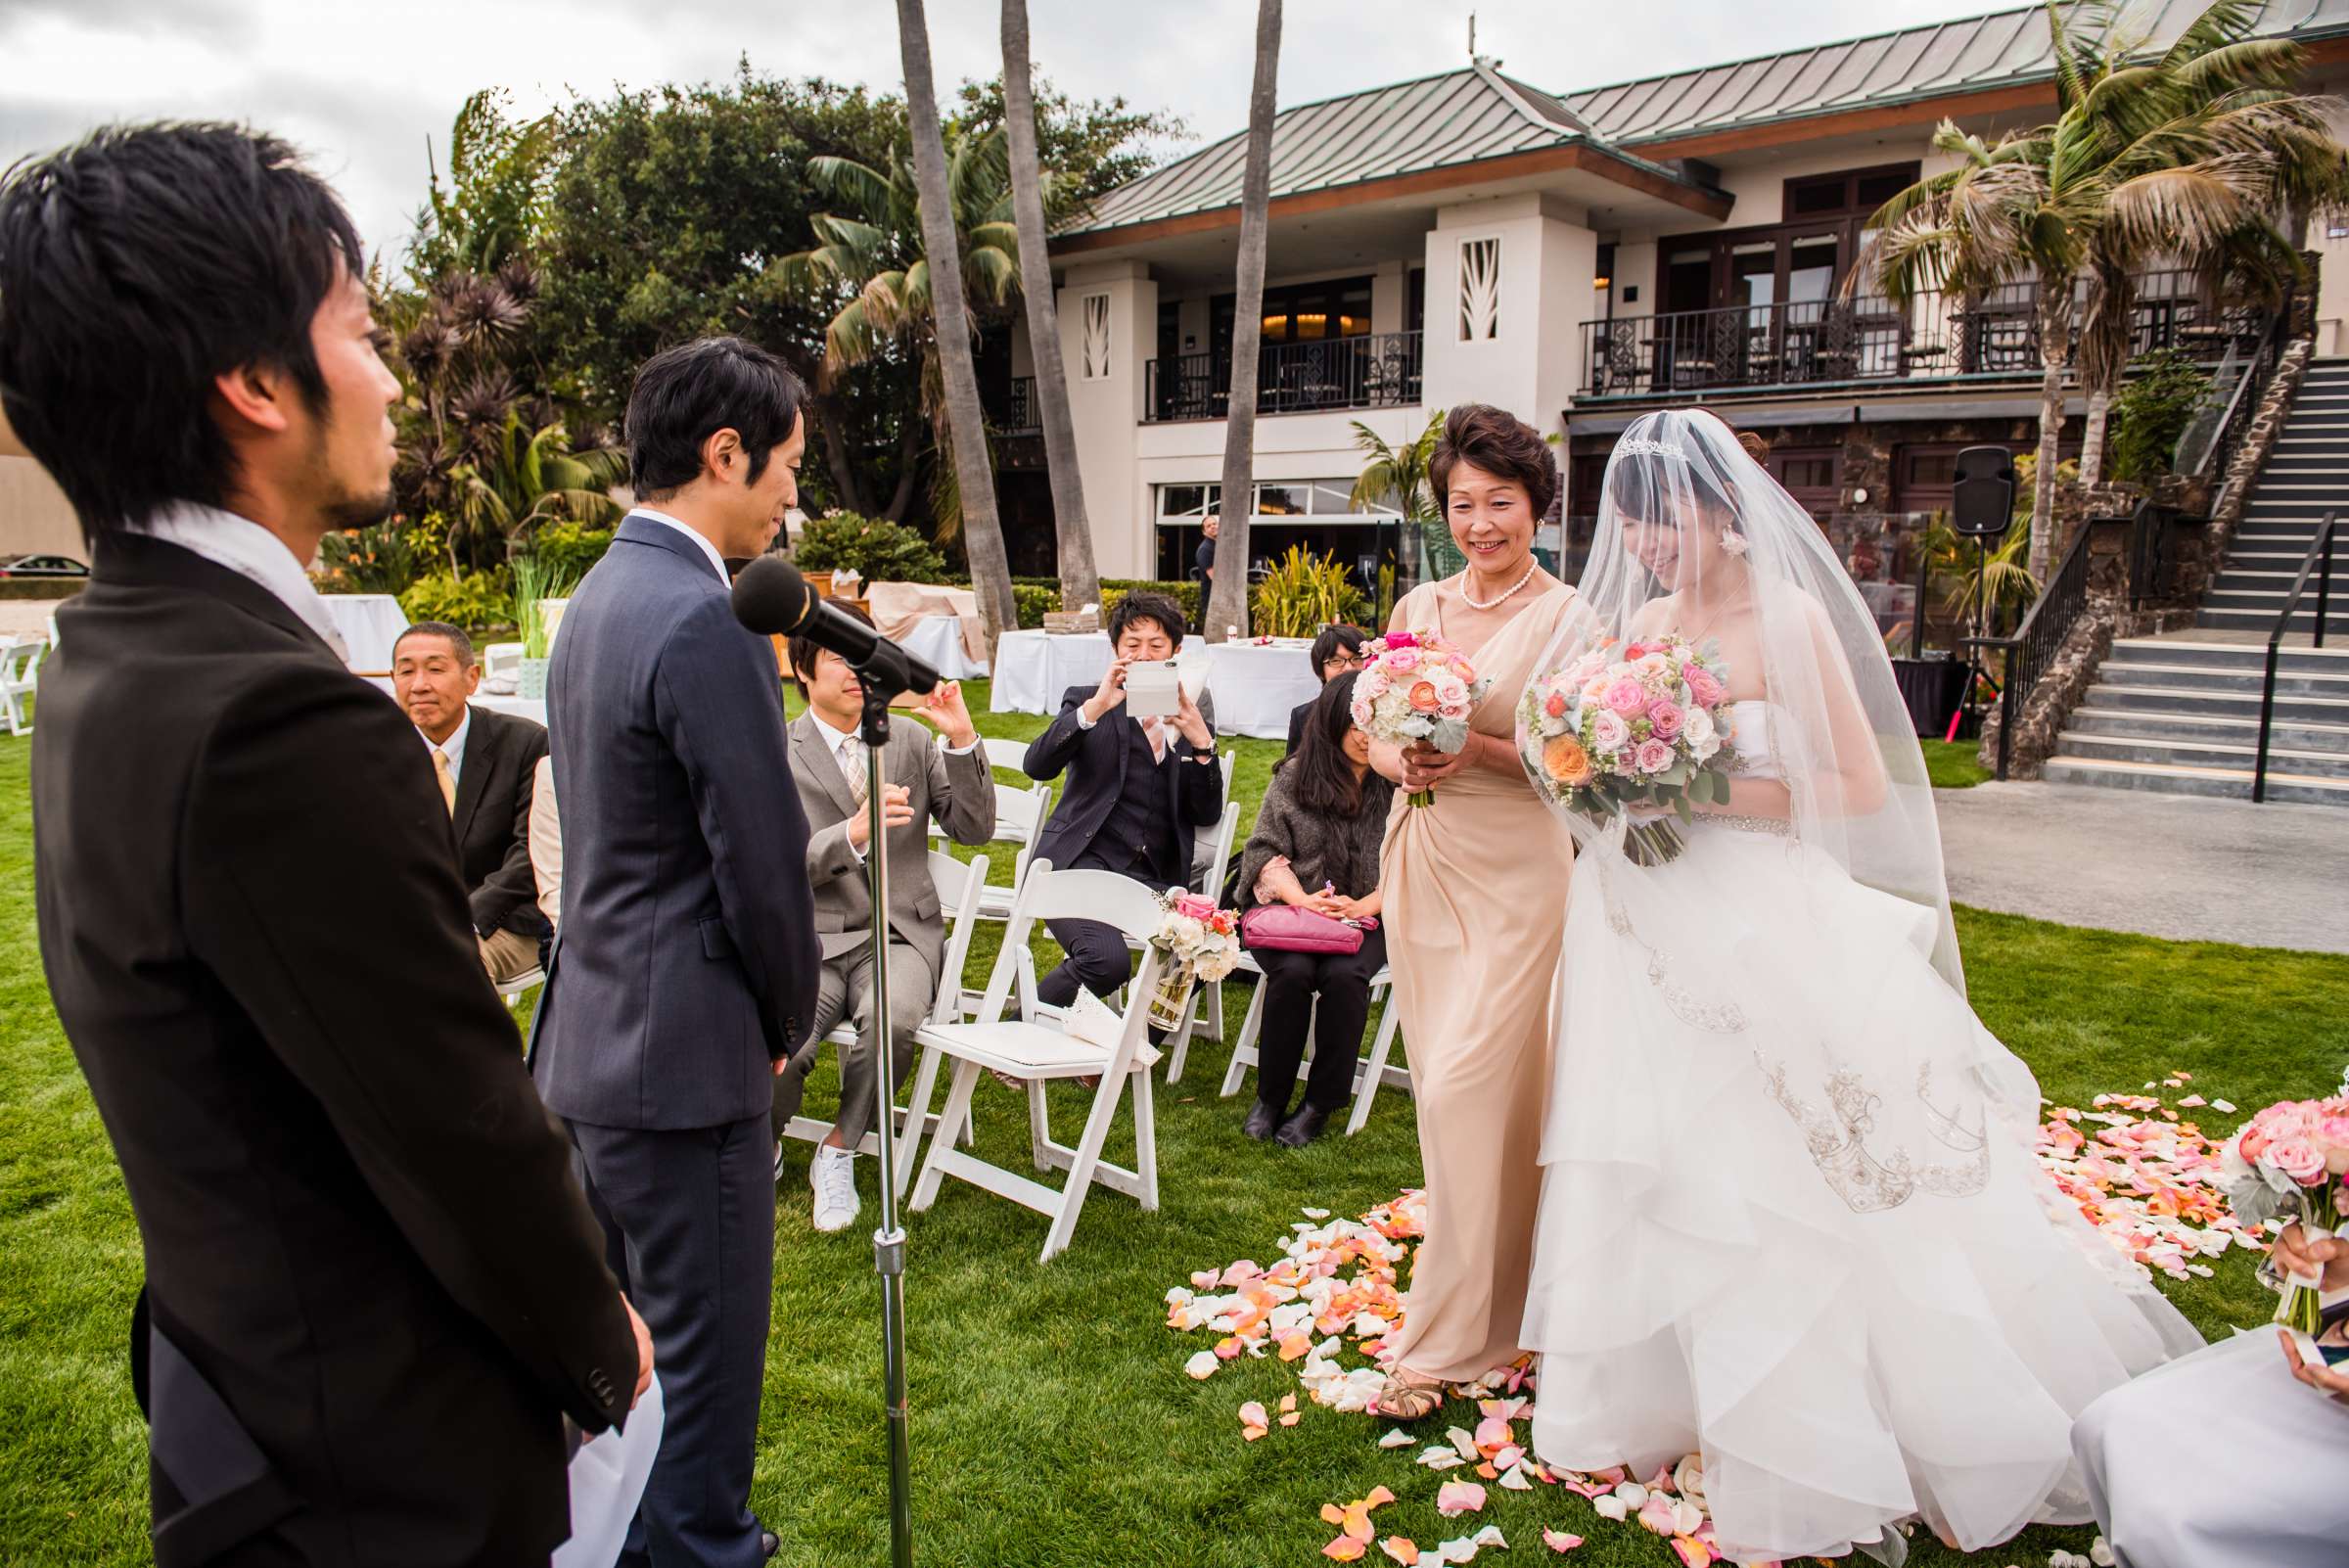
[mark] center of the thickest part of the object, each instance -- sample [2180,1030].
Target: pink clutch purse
[1286,928]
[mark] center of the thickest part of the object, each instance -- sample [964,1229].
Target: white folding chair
[1369,1076]
[20,678]
[1034,1049]
[958,887]
[1209,883]
[1011,756]
[53,632]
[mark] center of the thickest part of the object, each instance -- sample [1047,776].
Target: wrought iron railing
[2150,552]
[1870,337]
[2320,561]
[2032,649]
[2208,449]
[1378,370]
[1020,414]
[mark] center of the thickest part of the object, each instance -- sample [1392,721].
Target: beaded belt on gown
[1778,825]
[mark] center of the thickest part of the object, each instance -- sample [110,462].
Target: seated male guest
[921,783]
[2263,1434]
[486,764]
[1139,790]
[1337,650]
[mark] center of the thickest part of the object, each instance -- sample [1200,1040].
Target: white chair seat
[1018,1047]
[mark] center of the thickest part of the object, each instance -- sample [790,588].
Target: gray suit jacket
[958,793]
[685,959]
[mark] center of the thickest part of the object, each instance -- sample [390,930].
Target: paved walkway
[2167,865]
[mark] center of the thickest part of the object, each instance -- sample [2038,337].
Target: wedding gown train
[1791,1219]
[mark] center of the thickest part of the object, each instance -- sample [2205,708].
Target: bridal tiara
[1648,446]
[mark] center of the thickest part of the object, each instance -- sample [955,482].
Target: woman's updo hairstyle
[1502,445]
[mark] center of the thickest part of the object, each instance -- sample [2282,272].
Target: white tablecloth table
[937,640]
[1254,687]
[529,707]
[370,624]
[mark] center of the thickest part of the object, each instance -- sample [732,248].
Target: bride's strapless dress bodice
[1753,736]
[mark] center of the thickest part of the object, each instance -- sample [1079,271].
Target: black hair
[1321,778]
[136,267]
[1156,606]
[1648,486]
[802,651]
[1502,445]
[685,395]
[457,640]
[1330,640]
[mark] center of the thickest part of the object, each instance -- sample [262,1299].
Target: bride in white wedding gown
[1790,1215]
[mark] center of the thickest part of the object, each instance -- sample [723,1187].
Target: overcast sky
[361,87]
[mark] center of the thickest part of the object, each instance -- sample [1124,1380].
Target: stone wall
[2202,553]
[2074,668]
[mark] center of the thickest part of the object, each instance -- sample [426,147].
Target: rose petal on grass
[1397,1438]
[1692,1553]
[1441,1458]
[1455,1497]
[1607,1505]
[1314,1213]
[1463,1443]
[1492,1436]
[1659,1515]
[1400,1548]
[1344,1549]
[1491,1536]
[1202,1365]
[1560,1541]
[1513,1479]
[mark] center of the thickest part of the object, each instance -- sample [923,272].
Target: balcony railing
[1380,370]
[1937,335]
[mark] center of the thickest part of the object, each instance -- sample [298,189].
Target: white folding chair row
[20,679]
[958,888]
[1031,1046]
[1368,1076]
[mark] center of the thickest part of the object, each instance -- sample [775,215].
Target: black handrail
[2032,646]
[2319,560]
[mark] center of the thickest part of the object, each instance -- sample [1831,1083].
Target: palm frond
[2183,209]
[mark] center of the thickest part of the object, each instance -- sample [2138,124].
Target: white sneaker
[833,1175]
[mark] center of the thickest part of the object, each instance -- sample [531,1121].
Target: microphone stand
[882,679]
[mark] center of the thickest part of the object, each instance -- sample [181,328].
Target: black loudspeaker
[1982,498]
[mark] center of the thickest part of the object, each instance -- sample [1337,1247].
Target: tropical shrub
[479,601]
[1304,593]
[570,549]
[2154,410]
[1034,596]
[383,558]
[536,581]
[875,548]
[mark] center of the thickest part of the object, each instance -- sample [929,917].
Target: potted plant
[535,584]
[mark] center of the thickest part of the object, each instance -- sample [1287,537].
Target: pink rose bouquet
[1414,686]
[2287,1163]
[1197,941]
[1637,730]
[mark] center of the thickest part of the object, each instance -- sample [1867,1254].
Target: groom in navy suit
[685,963]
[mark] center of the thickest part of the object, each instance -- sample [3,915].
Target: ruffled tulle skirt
[1791,1220]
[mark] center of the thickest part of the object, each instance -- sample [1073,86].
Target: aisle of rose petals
[2140,1169]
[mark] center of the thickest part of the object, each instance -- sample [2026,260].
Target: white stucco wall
[1534,361]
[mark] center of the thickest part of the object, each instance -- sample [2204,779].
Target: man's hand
[644,1353]
[1109,694]
[1190,724]
[896,810]
[2296,1254]
[945,708]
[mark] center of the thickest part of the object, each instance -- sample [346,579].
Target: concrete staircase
[2180,714]
[2306,474]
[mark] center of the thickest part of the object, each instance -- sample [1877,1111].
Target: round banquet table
[529,707]
[370,624]
[937,640]
[1255,686]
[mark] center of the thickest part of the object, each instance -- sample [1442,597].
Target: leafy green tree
[500,175]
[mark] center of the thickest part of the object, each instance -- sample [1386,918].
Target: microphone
[771,598]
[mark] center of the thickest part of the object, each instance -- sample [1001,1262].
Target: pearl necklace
[1473,603]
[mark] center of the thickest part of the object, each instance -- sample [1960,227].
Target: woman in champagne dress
[1475,897]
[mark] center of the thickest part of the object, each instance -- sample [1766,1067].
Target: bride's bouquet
[1637,730]
[2286,1164]
[1414,686]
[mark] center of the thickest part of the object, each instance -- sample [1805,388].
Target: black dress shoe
[769,1544]
[1261,1119]
[1302,1128]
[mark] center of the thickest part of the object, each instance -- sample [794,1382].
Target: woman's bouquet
[1414,686]
[1198,941]
[2286,1164]
[1637,730]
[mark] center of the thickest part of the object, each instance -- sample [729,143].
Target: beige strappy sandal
[1409,1397]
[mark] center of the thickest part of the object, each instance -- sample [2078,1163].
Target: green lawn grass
[1051,1422]
[1953,764]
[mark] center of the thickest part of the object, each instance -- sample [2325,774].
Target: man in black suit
[685,962]
[486,764]
[1138,792]
[374,1290]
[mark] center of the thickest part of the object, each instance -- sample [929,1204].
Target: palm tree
[1079,580]
[2143,160]
[534,477]
[990,566]
[876,258]
[1399,477]
[1227,603]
